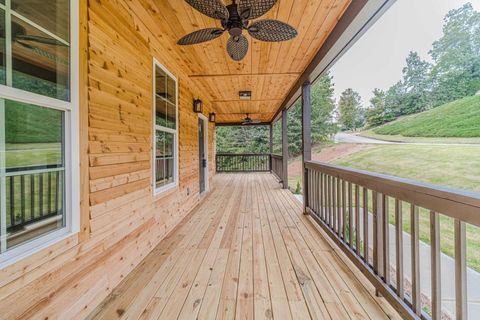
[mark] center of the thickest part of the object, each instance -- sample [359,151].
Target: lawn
[453,166]
[457,119]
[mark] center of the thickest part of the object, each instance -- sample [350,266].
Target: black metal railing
[252,162]
[33,194]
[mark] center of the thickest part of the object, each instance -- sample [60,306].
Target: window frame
[71,140]
[155,128]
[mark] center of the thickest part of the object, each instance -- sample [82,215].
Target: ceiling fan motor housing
[234,24]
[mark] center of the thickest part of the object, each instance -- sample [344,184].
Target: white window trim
[174,184]
[72,143]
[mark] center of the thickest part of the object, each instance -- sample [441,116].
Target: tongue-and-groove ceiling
[269,70]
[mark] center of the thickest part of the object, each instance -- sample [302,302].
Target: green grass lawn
[33,154]
[457,119]
[453,166]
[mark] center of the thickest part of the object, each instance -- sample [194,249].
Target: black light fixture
[211,117]
[245,95]
[197,106]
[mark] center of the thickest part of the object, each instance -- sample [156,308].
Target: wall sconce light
[211,117]
[197,106]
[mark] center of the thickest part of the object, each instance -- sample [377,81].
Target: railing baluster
[40,194]
[334,203]
[399,248]
[22,196]
[386,240]
[416,304]
[321,201]
[330,200]
[436,266]
[350,215]
[378,206]
[339,203]
[365,226]
[343,219]
[12,200]
[49,193]
[32,196]
[357,219]
[57,189]
[460,271]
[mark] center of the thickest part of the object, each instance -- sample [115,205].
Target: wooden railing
[243,162]
[359,210]
[277,166]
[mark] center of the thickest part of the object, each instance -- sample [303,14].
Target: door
[202,156]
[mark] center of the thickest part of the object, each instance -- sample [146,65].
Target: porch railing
[277,166]
[251,162]
[33,194]
[359,210]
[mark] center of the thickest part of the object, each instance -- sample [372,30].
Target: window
[165,130]
[37,125]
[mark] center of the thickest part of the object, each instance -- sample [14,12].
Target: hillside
[459,118]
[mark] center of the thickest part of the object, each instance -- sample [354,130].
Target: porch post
[284,150]
[271,146]
[306,138]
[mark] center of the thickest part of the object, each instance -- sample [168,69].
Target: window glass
[40,62]
[161,112]
[51,15]
[165,128]
[34,172]
[2,47]
[160,159]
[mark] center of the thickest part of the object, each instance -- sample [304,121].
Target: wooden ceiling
[269,70]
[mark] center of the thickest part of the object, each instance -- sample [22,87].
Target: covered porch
[247,251]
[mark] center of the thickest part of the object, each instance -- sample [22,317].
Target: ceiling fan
[248,120]
[236,18]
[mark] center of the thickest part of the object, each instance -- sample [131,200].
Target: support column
[271,147]
[284,150]
[306,138]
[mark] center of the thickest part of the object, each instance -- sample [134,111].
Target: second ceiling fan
[236,18]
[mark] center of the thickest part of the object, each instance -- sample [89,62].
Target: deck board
[246,252]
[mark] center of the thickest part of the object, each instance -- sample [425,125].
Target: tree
[323,107]
[350,110]
[376,114]
[416,85]
[243,139]
[456,71]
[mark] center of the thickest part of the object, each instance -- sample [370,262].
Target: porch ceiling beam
[357,19]
[243,74]
[231,124]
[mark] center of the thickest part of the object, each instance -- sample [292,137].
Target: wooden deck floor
[246,252]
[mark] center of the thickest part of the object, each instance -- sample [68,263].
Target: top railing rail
[456,203]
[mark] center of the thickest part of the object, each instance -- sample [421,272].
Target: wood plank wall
[121,221]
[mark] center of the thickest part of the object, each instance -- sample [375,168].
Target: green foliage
[454,74]
[256,138]
[298,189]
[323,106]
[351,115]
[243,139]
[377,114]
[460,118]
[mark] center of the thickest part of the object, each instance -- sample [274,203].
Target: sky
[376,60]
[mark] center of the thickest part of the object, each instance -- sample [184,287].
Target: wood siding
[121,221]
